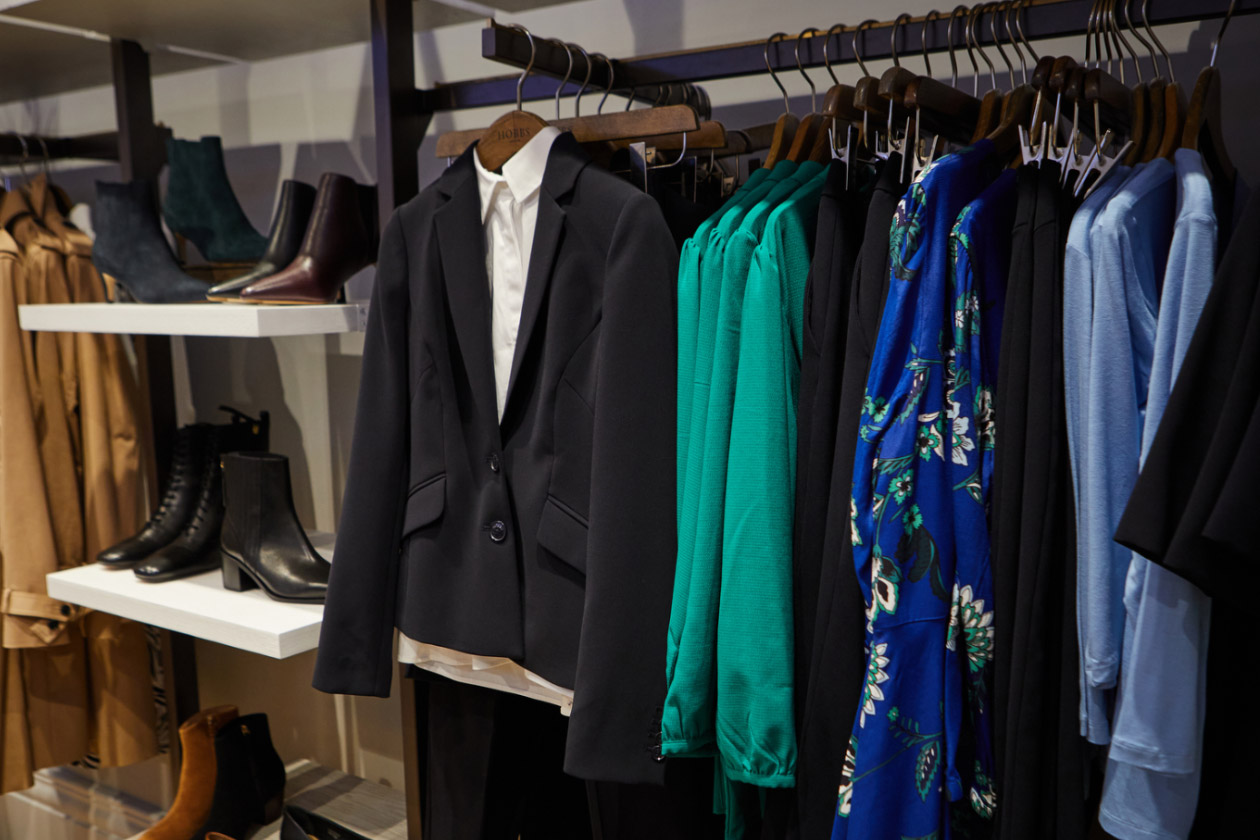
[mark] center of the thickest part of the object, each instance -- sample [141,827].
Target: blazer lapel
[461,243]
[565,162]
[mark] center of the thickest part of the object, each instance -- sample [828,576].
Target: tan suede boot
[196,776]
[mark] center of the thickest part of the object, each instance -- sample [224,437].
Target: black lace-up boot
[183,487]
[196,549]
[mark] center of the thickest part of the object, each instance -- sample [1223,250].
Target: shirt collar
[522,174]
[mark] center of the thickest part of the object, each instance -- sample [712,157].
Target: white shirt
[509,211]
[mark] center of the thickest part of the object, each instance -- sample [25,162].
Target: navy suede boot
[201,206]
[131,250]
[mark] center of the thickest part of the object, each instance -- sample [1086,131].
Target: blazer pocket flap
[425,504]
[563,533]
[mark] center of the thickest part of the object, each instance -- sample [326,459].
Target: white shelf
[199,606]
[240,320]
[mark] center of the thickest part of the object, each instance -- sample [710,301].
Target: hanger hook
[533,53]
[663,93]
[893,37]
[923,37]
[974,28]
[1159,45]
[577,97]
[611,76]
[1133,30]
[765,53]
[567,73]
[857,33]
[1006,22]
[1229,13]
[1118,28]
[1019,27]
[949,39]
[997,42]
[827,58]
[681,155]
[44,145]
[971,56]
[813,92]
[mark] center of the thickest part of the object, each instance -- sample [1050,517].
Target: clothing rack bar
[101,146]
[1041,19]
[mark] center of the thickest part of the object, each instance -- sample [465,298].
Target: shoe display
[340,240]
[187,541]
[198,771]
[293,215]
[178,501]
[201,206]
[131,250]
[262,542]
[249,784]
[300,824]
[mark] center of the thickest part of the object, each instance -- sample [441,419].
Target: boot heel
[233,578]
[274,809]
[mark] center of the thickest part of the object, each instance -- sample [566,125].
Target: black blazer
[548,538]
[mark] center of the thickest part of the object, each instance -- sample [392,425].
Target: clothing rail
[34,150]
[1040,20]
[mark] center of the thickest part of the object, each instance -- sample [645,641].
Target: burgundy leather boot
[340,240]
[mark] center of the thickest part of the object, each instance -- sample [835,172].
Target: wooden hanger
[838,109]
[943,109]
[509,133]
[597,128]
[813,126]
[785,126]
[990,114]
[1203,131]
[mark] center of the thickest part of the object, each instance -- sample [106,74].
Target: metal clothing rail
[1039,20]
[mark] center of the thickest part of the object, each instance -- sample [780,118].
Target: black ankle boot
[201,206]
[178,502]
[131,250]
[300,824]
[293,214]
[249,778]
[263,544]
[196,549]
[244,433]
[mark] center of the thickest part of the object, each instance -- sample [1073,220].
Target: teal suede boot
[201,206]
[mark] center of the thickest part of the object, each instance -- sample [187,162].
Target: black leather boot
[183,487]
[340,240]
[263,544]
[195,549]
[249,781]
[300,824]
[293,214]
[201,206]
[131,250]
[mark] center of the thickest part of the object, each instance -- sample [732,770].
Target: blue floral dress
[920,540]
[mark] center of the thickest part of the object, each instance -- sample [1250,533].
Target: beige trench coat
[71,684]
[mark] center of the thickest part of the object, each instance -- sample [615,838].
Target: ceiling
[35,62]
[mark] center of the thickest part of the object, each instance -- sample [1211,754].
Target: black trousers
[494,770]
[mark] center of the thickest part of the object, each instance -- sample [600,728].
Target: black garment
[1040,754]
[837,660]
[548,537]
[682,809]
[493,767]
[828,290]
[681,214]
[1193,510]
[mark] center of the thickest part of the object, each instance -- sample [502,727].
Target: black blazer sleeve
[356,644]
[620,679]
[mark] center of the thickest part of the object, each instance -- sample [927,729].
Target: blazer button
[495,464]
[498,531]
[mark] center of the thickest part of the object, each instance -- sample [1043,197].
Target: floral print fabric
[920,540]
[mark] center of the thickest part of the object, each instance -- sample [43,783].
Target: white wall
[302,115]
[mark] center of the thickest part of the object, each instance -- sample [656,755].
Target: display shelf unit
[199,606]
[209,319]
